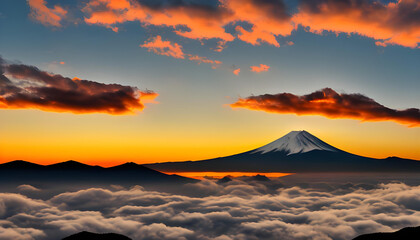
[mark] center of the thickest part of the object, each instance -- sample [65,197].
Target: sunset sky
[110,81]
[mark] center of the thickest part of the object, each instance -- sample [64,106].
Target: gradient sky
[192,118]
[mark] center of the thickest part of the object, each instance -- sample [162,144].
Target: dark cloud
[235,210]
[23,86]
[328,103]
[210,6]
[274,8]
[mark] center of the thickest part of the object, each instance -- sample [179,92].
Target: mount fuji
[298,151]
[296,142]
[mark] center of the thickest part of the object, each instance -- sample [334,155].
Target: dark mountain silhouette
[71,165]
[20,164]
[260,178]
[96,236]
[131,167]
[72,171]
[225,179]
[296,152]
[409,233]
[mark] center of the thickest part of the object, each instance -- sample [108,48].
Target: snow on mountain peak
[296,142]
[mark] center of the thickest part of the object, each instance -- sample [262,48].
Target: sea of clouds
[237,209]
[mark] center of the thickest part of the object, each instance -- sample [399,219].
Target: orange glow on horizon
[218,175]
[105,140]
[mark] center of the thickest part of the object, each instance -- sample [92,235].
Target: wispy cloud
[236,71]
[23,86]
[198,59]
[260,68]
[47,16]
[165,48]
[168,48]
[331,104]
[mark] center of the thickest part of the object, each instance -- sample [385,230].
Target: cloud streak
[236,71]
[234,210]
[328,103]
[199,59]
[23,87]
[260,68]
[165,48]
[47,16]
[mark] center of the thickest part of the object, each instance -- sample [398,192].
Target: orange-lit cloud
[202,22]
[47,16]
[237,71]
[23,86]
[261,68]
[331,104]
[62,62]
[395,23]
[268,18]
[220,46]
[199,60]
[165,48]
[262,21]
[148,96]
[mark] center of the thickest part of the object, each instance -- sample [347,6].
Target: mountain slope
[296,142]
[73,165]
[409,233]
[96,236]
[72,171]
[298,151]
[19,164]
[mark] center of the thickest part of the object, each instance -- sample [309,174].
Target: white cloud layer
[233,210]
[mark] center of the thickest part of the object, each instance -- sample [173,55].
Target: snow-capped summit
[296,142]
[296,152]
